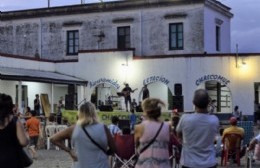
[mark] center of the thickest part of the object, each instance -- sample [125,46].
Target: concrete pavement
[60,159]
[52,159]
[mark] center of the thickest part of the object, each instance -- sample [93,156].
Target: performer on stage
[127,95]
[146,93]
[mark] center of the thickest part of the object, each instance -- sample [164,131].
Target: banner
[105,117]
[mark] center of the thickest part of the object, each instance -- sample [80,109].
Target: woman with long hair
[85,153]
[12,134]
[157,154]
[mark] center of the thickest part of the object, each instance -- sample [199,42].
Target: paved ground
[52,159]
[60,159]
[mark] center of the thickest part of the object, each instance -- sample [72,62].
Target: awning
[32,75]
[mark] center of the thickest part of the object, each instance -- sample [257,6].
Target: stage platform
[105,116]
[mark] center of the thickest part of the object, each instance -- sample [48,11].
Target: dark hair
[28,109]
[115,119]
[126,131]
[33,112]
[236,108]
[6,107]
[201,98]
[51,118]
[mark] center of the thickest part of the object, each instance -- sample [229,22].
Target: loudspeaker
[177,103]
[71,89]
[105,108]
[69,102]
[177,89]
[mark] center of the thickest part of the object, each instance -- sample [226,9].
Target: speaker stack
[105,108]
[71,98]
[177,99]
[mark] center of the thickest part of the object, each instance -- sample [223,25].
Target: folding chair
[125,153]
[231,148]
[253,155]
[175,151]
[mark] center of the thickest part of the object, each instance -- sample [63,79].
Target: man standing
[146,93]
[127,95]
[59,113]
[37,105]
[198,131]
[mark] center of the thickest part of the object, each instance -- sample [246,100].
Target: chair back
[125,145]
[50,130]
[232,142]
[61,127]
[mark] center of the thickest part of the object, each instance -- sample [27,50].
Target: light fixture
[238,59]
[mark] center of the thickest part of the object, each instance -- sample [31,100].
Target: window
[123,37]
[176,36]
[72,42]
[217,38]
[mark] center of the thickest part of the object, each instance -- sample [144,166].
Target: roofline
[43,80]
[35,59]
[92,8]
[136,57]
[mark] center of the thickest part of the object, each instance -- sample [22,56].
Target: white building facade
[173,46]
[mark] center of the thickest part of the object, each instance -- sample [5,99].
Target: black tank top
[9,146]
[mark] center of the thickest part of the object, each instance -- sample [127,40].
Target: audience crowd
[197,137]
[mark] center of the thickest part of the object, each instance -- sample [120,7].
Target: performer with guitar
[127,95]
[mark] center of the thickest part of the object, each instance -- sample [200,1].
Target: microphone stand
[84,100]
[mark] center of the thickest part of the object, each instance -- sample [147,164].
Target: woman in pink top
[157,154]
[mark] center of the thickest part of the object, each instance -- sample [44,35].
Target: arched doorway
[221,94]
[105,94]
[161,91]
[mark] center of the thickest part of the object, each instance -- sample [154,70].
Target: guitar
[127,93]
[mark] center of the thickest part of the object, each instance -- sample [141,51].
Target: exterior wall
[185,70]
[211,18]
[46,36]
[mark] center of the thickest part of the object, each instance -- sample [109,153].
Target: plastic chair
[60,128]
[49,131]
[231,148]
[125,153]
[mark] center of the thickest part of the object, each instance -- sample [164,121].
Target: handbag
[25,158]
[136,156]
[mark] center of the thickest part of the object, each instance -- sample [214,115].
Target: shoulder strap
[144,148]
[92,140]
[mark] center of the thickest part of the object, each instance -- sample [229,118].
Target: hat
[175,112]
[233,120]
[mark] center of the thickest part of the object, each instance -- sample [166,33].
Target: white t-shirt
[198,132]
[114,129]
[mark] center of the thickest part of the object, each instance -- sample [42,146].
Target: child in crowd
[133,119]
[33,128]
[114,129]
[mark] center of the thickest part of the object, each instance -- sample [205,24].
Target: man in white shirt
[198,131]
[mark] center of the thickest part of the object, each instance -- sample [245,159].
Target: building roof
[32,75]
[105,7]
